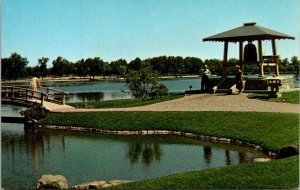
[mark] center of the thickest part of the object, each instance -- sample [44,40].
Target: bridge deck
[52,106]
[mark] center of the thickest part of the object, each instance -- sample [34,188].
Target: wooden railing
[24,93]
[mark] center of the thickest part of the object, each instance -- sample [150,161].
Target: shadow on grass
[264,97]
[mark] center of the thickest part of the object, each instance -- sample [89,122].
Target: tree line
[16,66]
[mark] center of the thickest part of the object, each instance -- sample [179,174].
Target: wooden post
[47,91]
[260,57]
[6,92]
[275,57]
[19,92]
[224,73]
[63,98]
[12,92]
[241,55]
[42,99]
[26,94]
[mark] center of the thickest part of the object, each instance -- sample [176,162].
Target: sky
[114,29]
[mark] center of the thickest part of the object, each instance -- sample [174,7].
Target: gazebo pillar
[275,57]
[224,73]
[260,59]
[241,60]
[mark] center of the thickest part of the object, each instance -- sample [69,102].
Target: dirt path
[208,102]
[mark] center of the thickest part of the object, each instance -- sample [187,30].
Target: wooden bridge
[51,99]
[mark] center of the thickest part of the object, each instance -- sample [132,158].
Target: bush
[159,90]
[36,112]
[141,82]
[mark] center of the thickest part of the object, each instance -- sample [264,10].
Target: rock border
[208,138]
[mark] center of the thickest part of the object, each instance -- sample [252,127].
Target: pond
[82,157]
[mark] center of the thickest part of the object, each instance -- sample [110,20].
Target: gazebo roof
[248,32]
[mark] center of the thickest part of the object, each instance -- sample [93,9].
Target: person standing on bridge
[34,85]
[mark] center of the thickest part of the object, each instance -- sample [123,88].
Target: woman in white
[34,84]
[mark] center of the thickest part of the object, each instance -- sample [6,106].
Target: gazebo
[251,32]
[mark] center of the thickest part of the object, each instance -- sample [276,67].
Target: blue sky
[113,29]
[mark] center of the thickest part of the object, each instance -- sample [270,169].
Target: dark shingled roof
[248,32]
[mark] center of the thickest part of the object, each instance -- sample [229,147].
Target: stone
[150,132]
[49,181]
[119,182]
[91,185]
[107,185]
[261,159]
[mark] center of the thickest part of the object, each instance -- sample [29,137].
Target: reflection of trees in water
[207,154]
[33,142]
[147,152]
[86,96]
[228,159]
[243,157]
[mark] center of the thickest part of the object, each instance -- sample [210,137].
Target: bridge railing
[24,93]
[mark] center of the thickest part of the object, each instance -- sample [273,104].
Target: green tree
[158,64]
[141,82]
[295,62]
[118,67]
[6,68]
[136,64]
[61,66]
[283,65]
[14,67]
[192,65]
[80,68]
[42,62]
[96,66]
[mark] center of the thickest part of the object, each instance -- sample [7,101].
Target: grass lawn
[125,102]
[291,97]
[270,130]
[277,174]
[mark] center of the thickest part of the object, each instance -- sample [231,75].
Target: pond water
[82,157]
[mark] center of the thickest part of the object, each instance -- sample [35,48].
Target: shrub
[141,82]
[36,112]
[159,90]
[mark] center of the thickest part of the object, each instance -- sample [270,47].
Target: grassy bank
[290,97]
[125,102]
[270,130]
[277,174]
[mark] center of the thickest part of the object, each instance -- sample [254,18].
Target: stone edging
[163,132]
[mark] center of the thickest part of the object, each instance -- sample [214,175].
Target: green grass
[277,174]
[290,97]
[272,131]
[125,102]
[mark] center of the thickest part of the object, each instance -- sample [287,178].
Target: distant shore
[101,78]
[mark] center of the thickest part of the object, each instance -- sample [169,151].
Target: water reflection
[207,154]
[93,96]
[29,153]
[144,152]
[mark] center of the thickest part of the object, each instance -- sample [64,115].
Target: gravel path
[208,102]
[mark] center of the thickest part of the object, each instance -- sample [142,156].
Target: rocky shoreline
[159,132]
[49,181]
